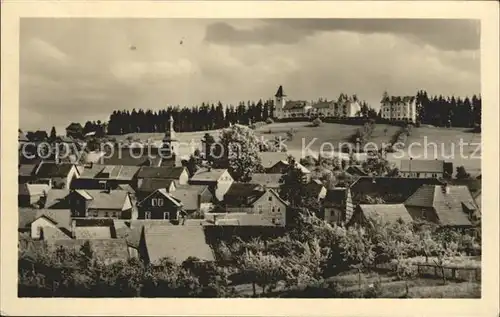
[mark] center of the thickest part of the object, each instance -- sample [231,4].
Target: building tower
[170,145]
[279,103]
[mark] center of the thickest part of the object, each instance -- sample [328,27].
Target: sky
[77,69]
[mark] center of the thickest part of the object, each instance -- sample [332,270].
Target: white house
[399,107]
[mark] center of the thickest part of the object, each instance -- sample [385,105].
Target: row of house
[344,107]
[392,107]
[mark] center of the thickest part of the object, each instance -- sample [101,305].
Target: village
[163,205]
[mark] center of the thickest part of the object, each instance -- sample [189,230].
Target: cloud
[444,34]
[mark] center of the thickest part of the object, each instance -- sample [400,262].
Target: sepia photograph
[282,157]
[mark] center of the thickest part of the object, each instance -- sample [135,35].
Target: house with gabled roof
[269,159]
[176,243]
[386,190]
[59,175]
[194,198]
[97,176]
[255,199]
[57,199]
[179,174]
[56,175]
[160,205]
[417,168]
[281,167]
[337,206]
[445,205]
[101,203]
[218,180]
[33,221]
[31,194]
[108,251]
[369,214]
[284,108]
[150,185]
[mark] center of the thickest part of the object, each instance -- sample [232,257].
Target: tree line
[434,110]
[448,111]
[199,118]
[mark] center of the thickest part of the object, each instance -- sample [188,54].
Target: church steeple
[170,132]
[169,145]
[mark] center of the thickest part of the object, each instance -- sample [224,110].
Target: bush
[269,121]
[316,122]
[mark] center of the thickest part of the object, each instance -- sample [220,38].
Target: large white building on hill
[399,107]
[344,107]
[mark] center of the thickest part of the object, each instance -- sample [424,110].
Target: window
[272,210]
[114,215]
[106,214]
[259,208]
[279,209]
[147,215]
[166,215]
[154,202]
[270,198]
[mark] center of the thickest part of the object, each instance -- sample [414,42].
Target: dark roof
[57,199]
[269,159]
[392,190]
[297,104]
[21,137]
[149,185]
[93,222]
[27,170]
[127,156]
[243,194]
[386,212]
[424,166]
[314,188]
[177,243]
[447,201]
[280,92]
[161,172]
[267,180]
[356,170]
[52,169]
[74,125]
[119,172]
[61,217]
[335,197]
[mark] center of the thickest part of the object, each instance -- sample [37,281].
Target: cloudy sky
[83,69]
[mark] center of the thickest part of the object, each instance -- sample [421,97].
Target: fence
[457,273]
